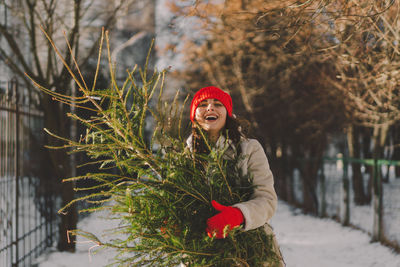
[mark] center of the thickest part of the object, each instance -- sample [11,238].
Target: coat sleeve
[262,204]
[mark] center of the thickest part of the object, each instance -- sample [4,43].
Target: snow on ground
[87,253]
[305,242]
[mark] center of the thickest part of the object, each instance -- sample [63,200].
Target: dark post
[346,192]
[17,168]
[323,191]
[377,199]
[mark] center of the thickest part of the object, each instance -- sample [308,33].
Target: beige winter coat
[262,205]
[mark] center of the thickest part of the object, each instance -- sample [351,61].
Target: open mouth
[211,118]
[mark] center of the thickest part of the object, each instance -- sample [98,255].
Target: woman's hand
[228,216]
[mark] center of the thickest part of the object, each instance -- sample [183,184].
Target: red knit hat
[210,92]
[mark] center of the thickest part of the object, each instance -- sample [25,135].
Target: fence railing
[28,224]
[380,217]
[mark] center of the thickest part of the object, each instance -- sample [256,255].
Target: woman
[211,109]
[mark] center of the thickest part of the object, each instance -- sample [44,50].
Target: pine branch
[158,188]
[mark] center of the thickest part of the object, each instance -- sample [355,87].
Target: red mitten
[228,216]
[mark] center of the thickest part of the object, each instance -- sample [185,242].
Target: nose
[210,106]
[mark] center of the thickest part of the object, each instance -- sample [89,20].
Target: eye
[218,104]
[203,104]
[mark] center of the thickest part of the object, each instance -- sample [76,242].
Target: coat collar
[221,143]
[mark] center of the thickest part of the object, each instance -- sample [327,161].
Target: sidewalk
[307,241]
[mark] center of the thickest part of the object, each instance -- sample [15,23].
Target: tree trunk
[55,120]
[69,221]
[285,172]
[366,148]
[309,175]
[294,164]
[396,150]
[309,179]
[353,134]
[278,169]
[380,134]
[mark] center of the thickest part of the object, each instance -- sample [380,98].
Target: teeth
[211,118]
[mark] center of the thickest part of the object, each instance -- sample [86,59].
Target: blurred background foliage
[308,75]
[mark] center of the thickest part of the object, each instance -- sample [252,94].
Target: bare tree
[367,62]
[26,51]
[266,55]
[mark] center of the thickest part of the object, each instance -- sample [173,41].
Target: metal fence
[28,224]
[380,218]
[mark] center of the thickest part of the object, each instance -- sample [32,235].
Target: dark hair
[234,129]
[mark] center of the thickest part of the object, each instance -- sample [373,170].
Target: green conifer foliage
[160,190]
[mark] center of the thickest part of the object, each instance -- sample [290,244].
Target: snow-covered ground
[87,253]
[305,242]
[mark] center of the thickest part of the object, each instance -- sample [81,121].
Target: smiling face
[211,116]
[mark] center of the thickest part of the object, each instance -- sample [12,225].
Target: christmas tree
[159,189]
